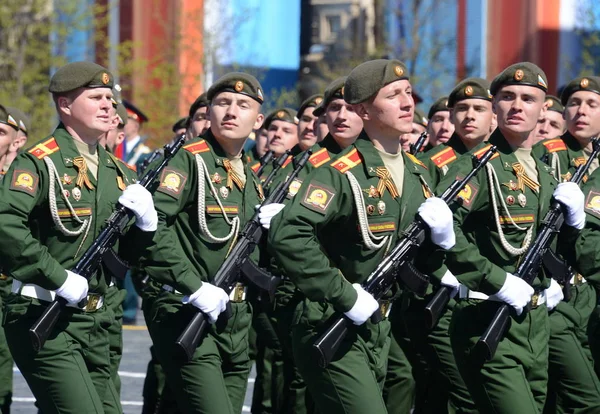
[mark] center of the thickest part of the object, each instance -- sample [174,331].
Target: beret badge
[239,85]
[469,90]
[519,74]
[398,70]
[584,83]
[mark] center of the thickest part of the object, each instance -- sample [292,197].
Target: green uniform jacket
[587,251]
[316,239]
[183,256]
[439,159]
[564,154]
[34,249]
[478,259]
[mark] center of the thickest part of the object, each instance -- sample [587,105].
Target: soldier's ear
[362,111]
[64,104]
[259,121]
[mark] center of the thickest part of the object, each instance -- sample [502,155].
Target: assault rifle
[229,273]
[277,164]
[416,147]
[530,265]
[101,247]
[398,264]
[264,160]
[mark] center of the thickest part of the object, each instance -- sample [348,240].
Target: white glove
[139,200]
[515,292]
[75,288]
[451,281]
[572,198]
[438,217]
[211,300]
[363,308]
[554,294]
[266,213]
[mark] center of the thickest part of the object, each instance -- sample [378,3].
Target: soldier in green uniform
[501,210]
[440,127]
[346,215]
[552,124]
[419,125]
[198,114]
[471,105]
[54,202]
[204,197]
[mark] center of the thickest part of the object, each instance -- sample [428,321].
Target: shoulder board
[479,153]
[118,161]
[348,161]
[44,149]
[554,145]
[255,167]
[287,161]
[444,157]
[320,157]
[415,160]
[197,147]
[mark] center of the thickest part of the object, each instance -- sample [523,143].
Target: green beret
[7,118]
[237,82]
[200,102]
[182,123]
[438,106]
[335,90]
[80,75]
[553,104]
[420,118]
[586,83]
[470,88]
[22,119]
[522,73]
[122,114]
[281,114]
[311,102]
[368,78]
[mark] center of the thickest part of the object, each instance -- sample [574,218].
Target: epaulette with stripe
[118,161]
[444,157]
[479,153]
[197,147]
[319,158]
[554,145]
[415,160]
[255,167]
[348,161]
[43,149]
[287,161]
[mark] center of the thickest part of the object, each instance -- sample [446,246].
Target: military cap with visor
[22,119]
[585,83]
[237,82]
[470,88]
[7,118]
[522,73]
[438,106]
[281,114]
[554,104]
[134,112]
[369,77]
[80,75]
[335,90]
[310,102]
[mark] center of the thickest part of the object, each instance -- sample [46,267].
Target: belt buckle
[534,300]
[239,293]
[385,308]
[92,302]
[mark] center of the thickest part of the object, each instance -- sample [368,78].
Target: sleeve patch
[172,182]
[24,181]
[592,203]
[318,197]
[467,194]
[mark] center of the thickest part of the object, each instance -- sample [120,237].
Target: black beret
[420,118]
[335,90]
[134,112]
[522,73]
[200,102]
[182,123]
[368,78]
[470,88]
[281,114]
[586,83]
[22,119]
[440,105]
[237,82]
[310,102]
[80,75]
[553,104]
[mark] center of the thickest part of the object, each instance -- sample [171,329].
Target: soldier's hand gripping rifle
[416,147]
[530,265]
[264,161]
[91,259]
[229,273]
[398,264]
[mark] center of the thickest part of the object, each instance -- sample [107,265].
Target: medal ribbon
[82,175]
[385,181]
[523,179]
[232,176]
